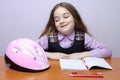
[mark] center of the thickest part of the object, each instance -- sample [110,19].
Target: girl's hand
[79,55]
[57,55]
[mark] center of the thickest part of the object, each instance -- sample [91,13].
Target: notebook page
[72,64]
[100,62]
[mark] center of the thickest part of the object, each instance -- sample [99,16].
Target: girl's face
[64,20]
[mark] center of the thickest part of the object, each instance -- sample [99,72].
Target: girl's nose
[61,21]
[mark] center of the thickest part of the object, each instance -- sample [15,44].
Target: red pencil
[87,75]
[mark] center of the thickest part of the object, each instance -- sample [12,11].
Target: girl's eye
[66,15]
[56,19]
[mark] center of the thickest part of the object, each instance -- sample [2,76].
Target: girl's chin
[65,32]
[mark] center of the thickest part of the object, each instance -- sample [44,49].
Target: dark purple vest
[54,46]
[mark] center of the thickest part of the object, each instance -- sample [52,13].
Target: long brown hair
[79,25]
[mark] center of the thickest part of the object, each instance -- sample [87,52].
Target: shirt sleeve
[96,48]
[43,42]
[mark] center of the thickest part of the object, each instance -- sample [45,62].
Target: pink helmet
[26,55]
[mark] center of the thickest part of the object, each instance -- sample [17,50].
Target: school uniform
[74,42]
[77,44]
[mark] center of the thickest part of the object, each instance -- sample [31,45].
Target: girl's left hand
[79,55]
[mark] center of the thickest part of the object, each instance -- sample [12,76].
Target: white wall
[27,18]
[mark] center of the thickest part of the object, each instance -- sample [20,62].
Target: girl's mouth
[63,26]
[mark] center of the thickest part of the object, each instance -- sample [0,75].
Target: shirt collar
[62,36]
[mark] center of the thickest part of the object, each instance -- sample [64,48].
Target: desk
[55,73]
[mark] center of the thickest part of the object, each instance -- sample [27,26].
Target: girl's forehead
[60,11]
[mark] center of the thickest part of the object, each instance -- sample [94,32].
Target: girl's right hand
[56,55]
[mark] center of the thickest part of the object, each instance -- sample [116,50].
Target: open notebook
[84,64]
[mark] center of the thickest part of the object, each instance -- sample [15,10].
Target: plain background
[27,18]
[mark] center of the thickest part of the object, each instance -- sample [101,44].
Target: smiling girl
[66,36]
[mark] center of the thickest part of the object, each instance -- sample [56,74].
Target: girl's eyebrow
[62,14]
[66,13]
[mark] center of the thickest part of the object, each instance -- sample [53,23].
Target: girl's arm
[96,49]
[80,55]
[43,41]
[56,55]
